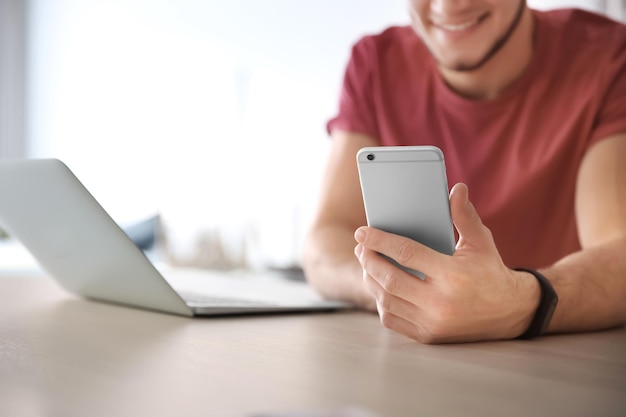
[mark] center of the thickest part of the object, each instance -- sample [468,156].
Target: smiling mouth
[461,26]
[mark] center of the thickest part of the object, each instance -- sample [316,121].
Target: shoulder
[576,29]
[395,41]
[394,35]
[581,46]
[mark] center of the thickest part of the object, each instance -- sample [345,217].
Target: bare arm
[591,283]
[329,261]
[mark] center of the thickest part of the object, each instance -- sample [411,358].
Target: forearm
[331,267]
[591,285]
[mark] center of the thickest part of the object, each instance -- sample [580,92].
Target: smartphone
[405,191]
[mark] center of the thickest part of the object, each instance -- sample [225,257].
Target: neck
[502,70]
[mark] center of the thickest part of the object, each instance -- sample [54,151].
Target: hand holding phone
[405,192]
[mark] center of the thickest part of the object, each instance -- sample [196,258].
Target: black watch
[547,305]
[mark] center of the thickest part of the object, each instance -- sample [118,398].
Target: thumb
[466,219]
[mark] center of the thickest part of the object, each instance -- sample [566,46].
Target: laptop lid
[45,206]
[74,240]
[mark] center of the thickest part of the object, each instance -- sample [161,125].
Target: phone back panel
[405,191]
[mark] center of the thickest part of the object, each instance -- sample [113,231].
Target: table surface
[64,356]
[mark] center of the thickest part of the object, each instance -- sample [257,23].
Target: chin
[460,65]
[461,59]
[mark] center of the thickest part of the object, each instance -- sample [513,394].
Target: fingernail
[359,235]
[358,249]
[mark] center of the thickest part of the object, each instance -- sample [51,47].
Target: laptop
[76,242]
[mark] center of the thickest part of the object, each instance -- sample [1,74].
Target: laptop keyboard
[197,299]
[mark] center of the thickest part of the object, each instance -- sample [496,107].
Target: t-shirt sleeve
[356,102]
[611,118]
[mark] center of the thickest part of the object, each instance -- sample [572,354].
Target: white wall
[209,112]
[616,9]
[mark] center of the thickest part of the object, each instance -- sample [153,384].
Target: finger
[465,217]
[403,317]
[387,303]
[404,327]
[403,250]
[391,280]
[394,312]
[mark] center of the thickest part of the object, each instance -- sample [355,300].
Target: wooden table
[63,356]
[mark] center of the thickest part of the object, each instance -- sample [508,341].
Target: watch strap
[547,305]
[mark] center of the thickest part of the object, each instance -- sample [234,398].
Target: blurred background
[200,120]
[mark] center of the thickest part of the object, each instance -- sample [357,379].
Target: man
[529,109]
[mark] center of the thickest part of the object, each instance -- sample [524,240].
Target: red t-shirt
[519,153]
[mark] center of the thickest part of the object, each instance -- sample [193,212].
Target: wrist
[529,296]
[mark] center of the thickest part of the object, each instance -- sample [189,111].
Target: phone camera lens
[370,156]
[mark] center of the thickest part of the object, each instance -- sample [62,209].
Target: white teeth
[462,26]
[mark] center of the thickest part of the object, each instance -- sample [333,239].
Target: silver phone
[405,192]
